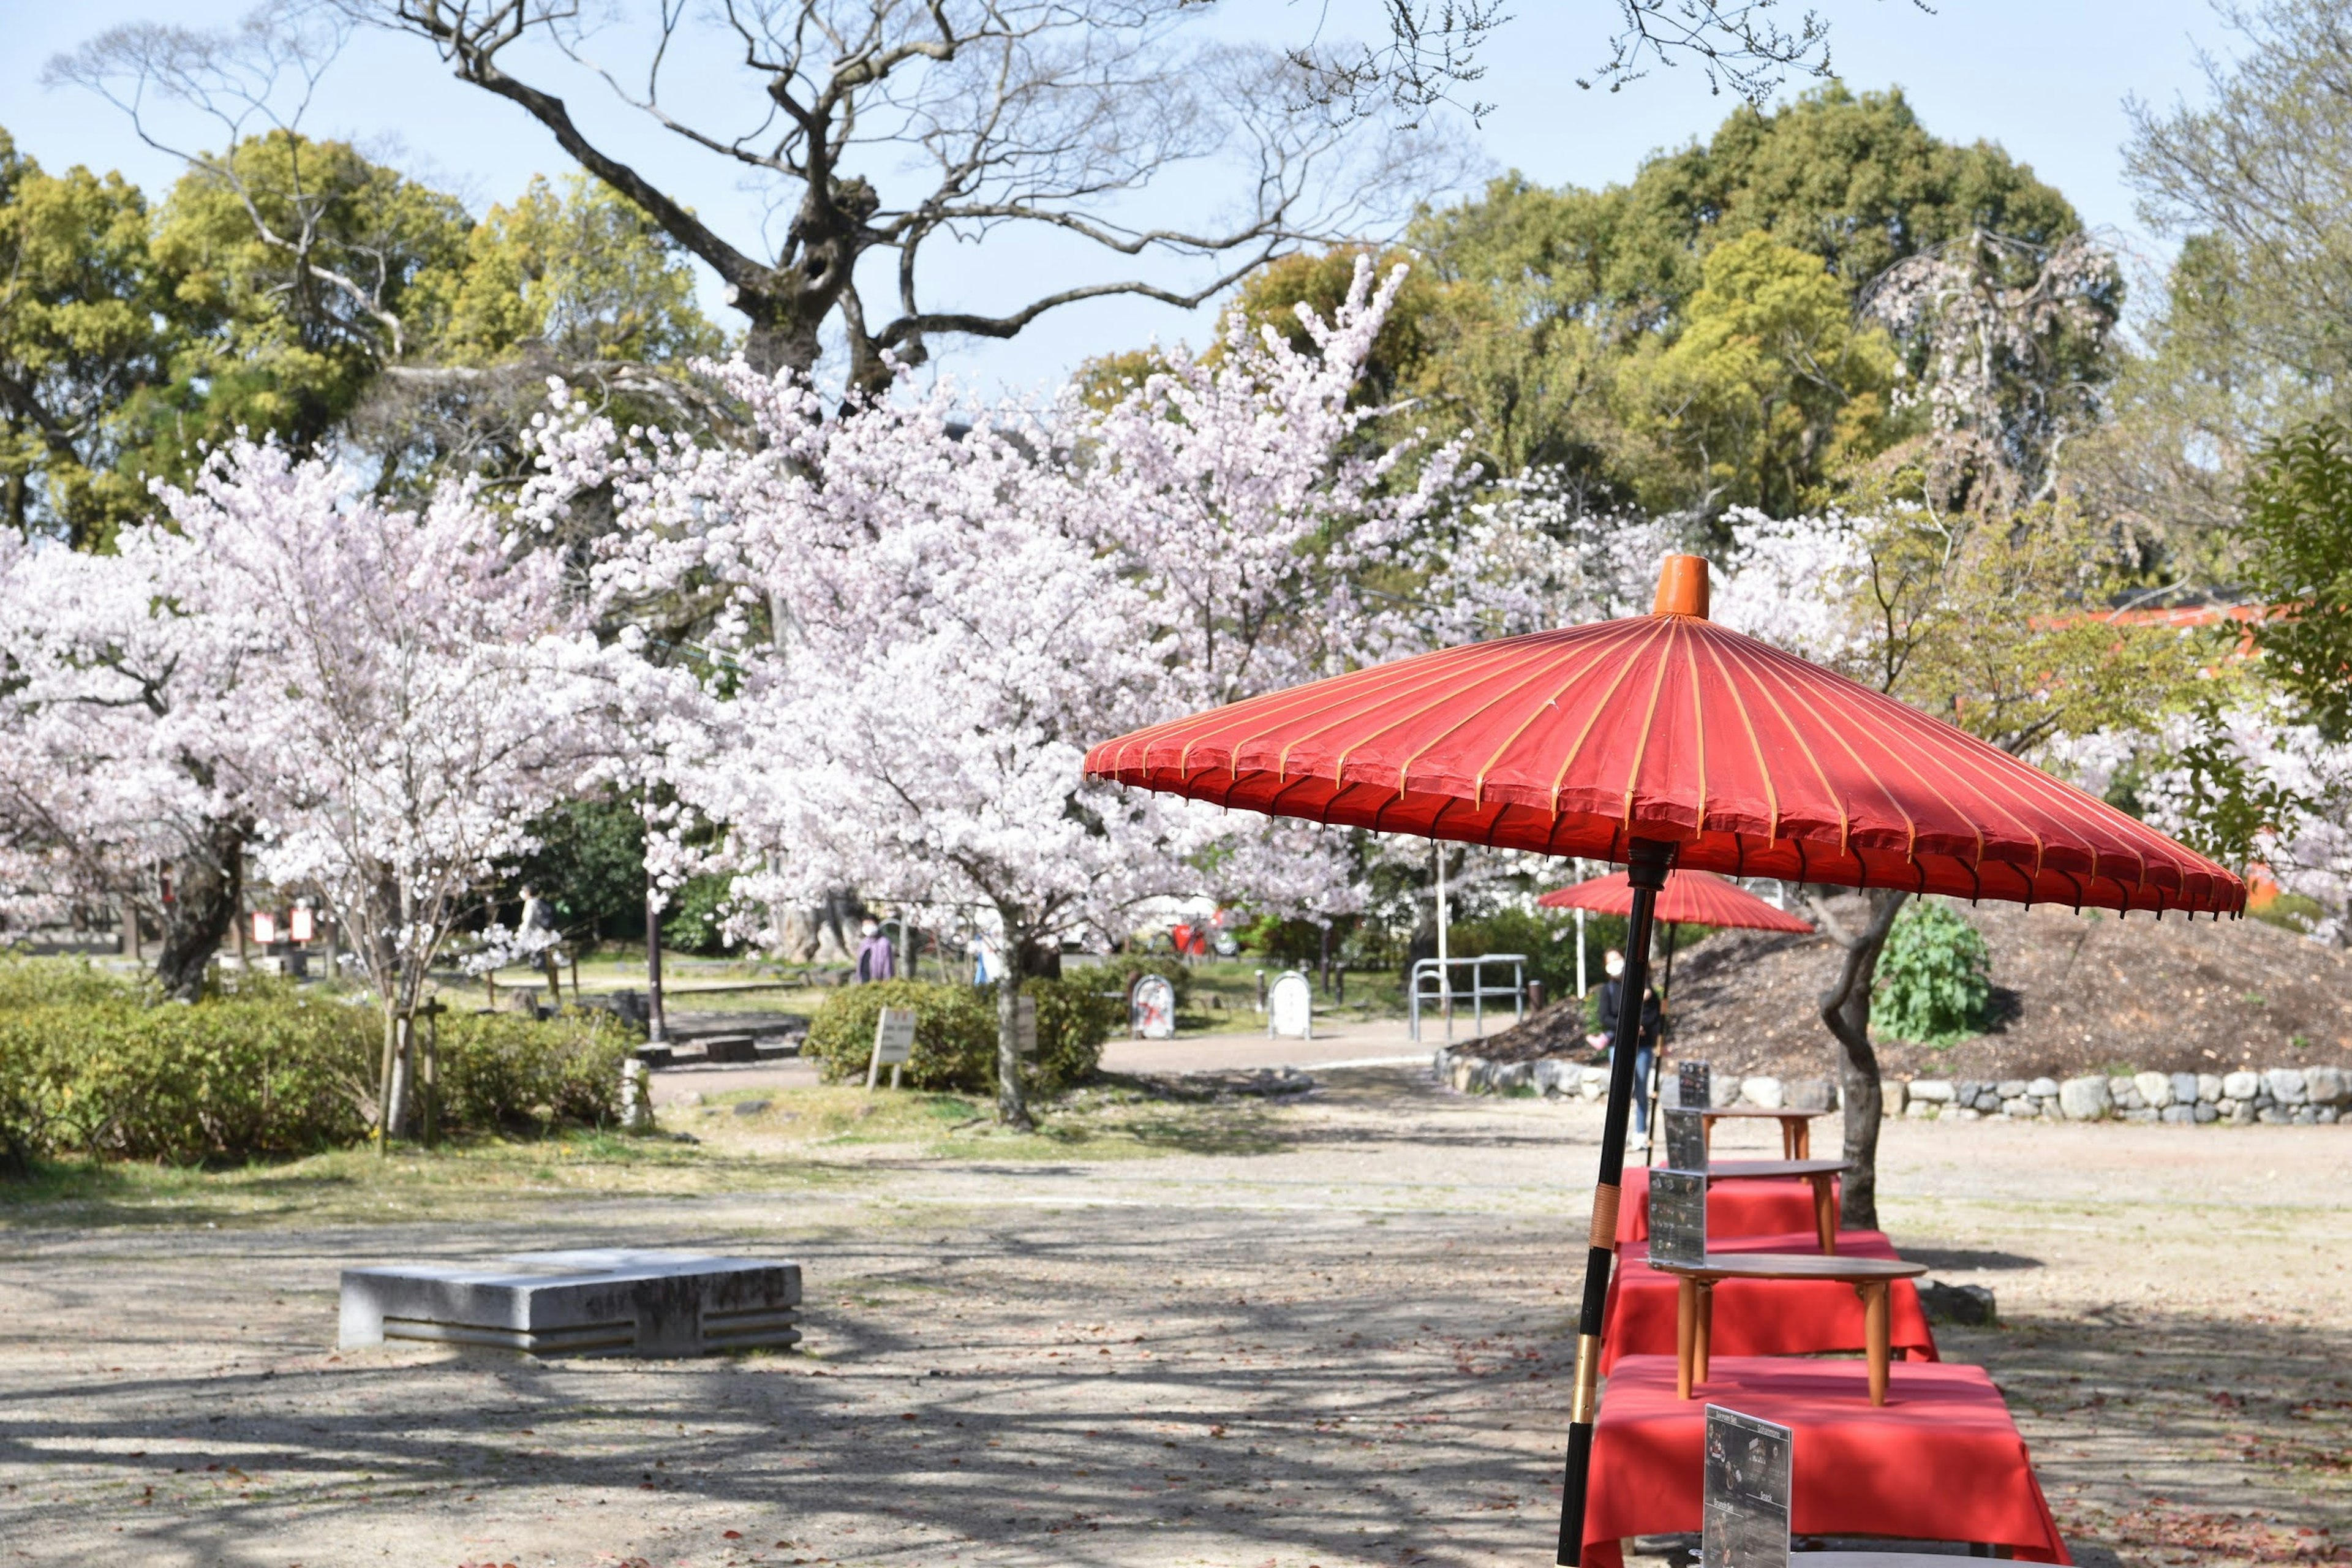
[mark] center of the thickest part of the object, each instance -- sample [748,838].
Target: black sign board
[1678,1216]
[1693,1086]
[1744,1497]
[1686,1140]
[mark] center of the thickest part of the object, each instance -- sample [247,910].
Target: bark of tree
[1845,1008]
[208,883]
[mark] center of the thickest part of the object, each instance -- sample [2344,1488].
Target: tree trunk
[1845,1008]
[1012,1106]
[206,884]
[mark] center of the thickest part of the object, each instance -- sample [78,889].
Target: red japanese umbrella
[1694,898]
[1664,741]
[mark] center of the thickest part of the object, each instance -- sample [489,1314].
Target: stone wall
[2280,1096]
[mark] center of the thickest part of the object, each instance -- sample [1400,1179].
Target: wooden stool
[1695,1302]
[1822,1173]
[1796,1126]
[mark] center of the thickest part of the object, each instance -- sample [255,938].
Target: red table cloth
[1941,1460]
[1735,1206]
[1762,1317]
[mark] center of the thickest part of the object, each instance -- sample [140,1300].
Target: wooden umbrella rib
[1551,705]
[1814,701]
[1649,717]
[1440,671]
[1599,706]
[1487,705]
[1805,747]
[1755,745]
[1685,641]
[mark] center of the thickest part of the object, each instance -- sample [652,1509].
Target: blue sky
[2046,81]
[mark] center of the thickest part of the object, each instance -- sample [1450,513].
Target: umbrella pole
[1658,1057]
[1646,870]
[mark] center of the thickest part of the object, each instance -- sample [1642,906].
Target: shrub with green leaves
[1934,978]
[90,1066]
[955,1033]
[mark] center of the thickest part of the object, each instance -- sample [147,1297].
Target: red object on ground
[1762,1317]
[1689,898]
[1941,1460]
[1669,727]
[1736,1206]
[1179,938]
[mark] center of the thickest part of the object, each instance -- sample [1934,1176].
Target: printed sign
[894,1043]
[1745,1494]
[1678,1216]
[894,1036]
[1686,1140]
[1290,1006]
[1693,1086]
[1151,1008]
[1025,1025]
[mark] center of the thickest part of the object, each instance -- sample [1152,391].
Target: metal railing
[1443,989]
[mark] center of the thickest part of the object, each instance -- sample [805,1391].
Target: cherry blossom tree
[926,620]
[417,687]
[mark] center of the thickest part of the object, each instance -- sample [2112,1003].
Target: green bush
[58,982]
[503,1072]
[697,914]
[267,1070]
[1934,979]
[955,1033]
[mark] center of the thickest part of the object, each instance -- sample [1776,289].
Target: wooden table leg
[1707,1133]
[1800,1141]
[1874,1334]
[1686,1333]
[1706,1327]
[1825,1212]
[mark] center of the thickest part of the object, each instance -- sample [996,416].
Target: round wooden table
[1796,1126]
[1822,1173]
[1695,1301]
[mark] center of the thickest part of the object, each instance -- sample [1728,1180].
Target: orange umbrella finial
[1681,587]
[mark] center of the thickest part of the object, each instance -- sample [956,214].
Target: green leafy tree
[86,335]
[2298,506]
[1934,979]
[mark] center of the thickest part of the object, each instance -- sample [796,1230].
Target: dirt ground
[1338,1332]
[2071,994]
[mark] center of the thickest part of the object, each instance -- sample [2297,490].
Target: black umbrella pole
[1647,873]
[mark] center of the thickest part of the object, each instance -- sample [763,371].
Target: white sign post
[1151,1008]
[894,1043]
[1025,1025]
[1290,1006]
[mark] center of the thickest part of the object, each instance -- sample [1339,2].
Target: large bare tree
[876,130]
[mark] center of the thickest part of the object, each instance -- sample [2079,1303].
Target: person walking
[1612,1001]
[876,961]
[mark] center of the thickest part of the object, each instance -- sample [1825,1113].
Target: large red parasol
[1660,741]
[1689,898]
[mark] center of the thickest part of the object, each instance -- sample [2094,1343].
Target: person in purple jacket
[875,958]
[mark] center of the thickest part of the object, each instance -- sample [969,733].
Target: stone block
[2324,1086]
[2243,1113]
[730,1049]
[2240,1085]
[2154,1089]
[1894,1094]
[2285,1085]
[1462,1068]
[1969,1304]
[1923,1109]
[2208,1087]
[602,1302]
[1936,1090]
[2180,1113]
[2013,1089]
[1809,1094]
[1670,1089]
[2085,1098]
[2305,1115]
[1551,1076]
[2327,1115]
[2143,1114]
[1722,1090]
[2206,1110]
[1962,1113]
[1594,1083]
[2273,1116]
[1510,1076]
[2042,1089]
[2184,1089]
[1764,1092]
[2017,1106]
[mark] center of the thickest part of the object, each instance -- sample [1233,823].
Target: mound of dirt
[2071,994]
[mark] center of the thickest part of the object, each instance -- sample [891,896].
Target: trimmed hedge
[955,1033]
[87,1066]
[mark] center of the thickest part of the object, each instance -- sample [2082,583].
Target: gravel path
[1353,1349]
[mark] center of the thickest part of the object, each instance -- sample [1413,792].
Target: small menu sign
[1686,1140]
[1745,1494]
[894,1036]
[1678,1216]
[1694,1086]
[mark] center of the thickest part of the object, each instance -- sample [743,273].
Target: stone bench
[596,1302]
